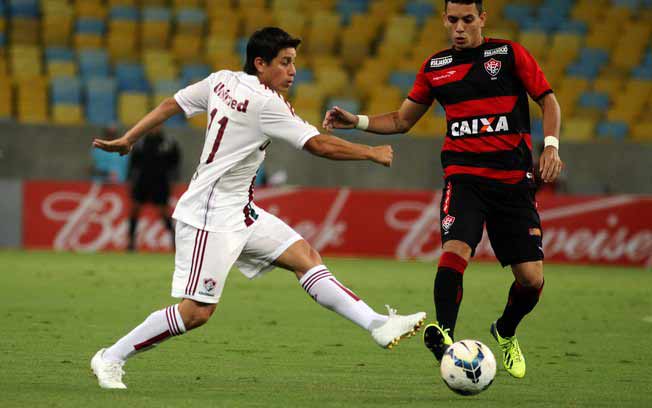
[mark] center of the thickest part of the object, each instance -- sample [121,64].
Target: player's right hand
[121,145]
[338,118]
[383,155]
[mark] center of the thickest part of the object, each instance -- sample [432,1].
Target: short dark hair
[478,3]
[266,44]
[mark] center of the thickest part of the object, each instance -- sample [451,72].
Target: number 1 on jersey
[220,133]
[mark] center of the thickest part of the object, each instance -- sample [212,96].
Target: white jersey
[243,115]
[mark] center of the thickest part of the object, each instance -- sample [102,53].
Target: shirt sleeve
[530,73]
[278,121]
[193,99]
[420,92]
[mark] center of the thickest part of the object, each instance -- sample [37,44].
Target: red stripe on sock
[173,311]
[313,283]
[313,277]
[153,340]
[170,324]
[172,321]
[345,289]
[453,261]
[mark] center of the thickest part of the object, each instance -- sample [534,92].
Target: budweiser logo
[608,242]
[609,230]
[95,220]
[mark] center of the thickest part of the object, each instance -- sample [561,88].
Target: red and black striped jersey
[484,92]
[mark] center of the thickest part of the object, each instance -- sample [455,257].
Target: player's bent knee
[195,314]
[459,248]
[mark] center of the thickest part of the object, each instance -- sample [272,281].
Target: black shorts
[157,193]
[510,213]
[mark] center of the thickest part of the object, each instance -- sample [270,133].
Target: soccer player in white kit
[218,224]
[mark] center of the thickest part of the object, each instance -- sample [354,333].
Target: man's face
[464,25]
[279,73]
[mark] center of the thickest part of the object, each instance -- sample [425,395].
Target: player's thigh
[462,214]
[270,238]
[514,228]
[203,260]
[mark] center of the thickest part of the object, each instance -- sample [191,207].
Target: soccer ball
[468,367]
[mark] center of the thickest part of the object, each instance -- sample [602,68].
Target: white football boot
[108,373]
[397,327]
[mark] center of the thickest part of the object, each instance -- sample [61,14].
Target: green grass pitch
[588,343]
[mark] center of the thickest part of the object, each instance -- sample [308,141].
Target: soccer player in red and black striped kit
[483,85]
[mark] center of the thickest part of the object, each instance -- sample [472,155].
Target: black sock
[449,289]
[521,301]
[133,221]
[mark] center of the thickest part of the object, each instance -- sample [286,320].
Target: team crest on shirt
[447,223]
[209,286]
[492,67]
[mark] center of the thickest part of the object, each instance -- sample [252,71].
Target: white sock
[158,327]
[330,293]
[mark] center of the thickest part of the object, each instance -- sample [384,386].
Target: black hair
[266,44]
[478,3]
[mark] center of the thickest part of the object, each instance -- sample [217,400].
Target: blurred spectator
[153,166]
[109,167]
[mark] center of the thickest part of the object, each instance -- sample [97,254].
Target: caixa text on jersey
[479,126]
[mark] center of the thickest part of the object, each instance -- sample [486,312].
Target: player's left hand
[121,145]
[550,164]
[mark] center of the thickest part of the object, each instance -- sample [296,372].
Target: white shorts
[203,259]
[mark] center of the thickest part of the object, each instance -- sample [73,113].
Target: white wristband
[363,122]
[551,141]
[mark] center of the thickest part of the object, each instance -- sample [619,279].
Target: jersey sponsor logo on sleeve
[479,126]
[440,62]
[492,67]
[495,51]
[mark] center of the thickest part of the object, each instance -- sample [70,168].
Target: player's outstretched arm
[399,121]
[550,164]
[168,108]
[334,148]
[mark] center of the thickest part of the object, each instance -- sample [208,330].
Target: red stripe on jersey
[505,176]
[447,75]
[483,144]
[481,107]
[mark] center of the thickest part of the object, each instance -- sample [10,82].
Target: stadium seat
[66,114]
[32,100]
[65,90]
[6,98]
[155,34]
[24,31]
[93,63]
[90,9]
[317,42]
[100,99]
[24,8]
[187,48]
[159,65]
[578,129]
[190,21]
[132,106]
[25,61]
[131,77]
[642,132]
[612,130]
[191,73]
